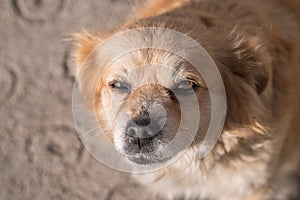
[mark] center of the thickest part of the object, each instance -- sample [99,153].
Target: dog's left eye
[185,85]
[119,86]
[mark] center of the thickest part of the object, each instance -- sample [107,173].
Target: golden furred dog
[256,48]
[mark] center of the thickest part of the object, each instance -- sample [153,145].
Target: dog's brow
[178,68]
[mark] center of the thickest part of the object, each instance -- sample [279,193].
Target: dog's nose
[141,128]
[141,131]
[142,120]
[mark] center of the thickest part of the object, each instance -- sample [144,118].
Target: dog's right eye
[119,86]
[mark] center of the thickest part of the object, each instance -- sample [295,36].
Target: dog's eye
[119,86]
[185,85]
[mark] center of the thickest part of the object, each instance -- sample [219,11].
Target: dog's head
[136,95]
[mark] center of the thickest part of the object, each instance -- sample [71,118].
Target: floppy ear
[247,71]
[247,57]
[84,44]
[87,70]
[246,67]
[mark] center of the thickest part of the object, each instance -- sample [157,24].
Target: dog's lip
[143,159]
[128,150]
[138,153]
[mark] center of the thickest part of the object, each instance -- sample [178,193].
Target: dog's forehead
[146,66]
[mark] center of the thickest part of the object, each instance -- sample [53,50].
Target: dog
[137,98]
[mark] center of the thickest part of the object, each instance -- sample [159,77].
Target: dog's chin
[147,158]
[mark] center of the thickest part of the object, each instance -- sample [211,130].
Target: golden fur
[256,46]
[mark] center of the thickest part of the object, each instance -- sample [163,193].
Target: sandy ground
[41,156]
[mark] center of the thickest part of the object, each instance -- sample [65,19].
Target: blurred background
[41,156]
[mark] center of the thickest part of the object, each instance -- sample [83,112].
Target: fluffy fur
[256,46]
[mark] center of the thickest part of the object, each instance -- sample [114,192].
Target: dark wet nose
[142,121]
[141,128]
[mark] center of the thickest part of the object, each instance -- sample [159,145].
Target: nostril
[131,131]
[135,131]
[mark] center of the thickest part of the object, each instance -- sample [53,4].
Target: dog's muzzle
[144,136]
[142,131]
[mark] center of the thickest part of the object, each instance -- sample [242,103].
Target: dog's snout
[138,135]
[136,131]
[145,127]
[141,131]
[141,128]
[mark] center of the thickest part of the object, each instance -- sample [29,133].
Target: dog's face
[139,96]
[136,96]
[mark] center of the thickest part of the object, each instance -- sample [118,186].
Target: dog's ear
[84,44]
[246,67]
[87,69]
[245,54]
[247,71]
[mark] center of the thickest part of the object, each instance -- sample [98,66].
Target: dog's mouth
[147,158]
[146,150]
